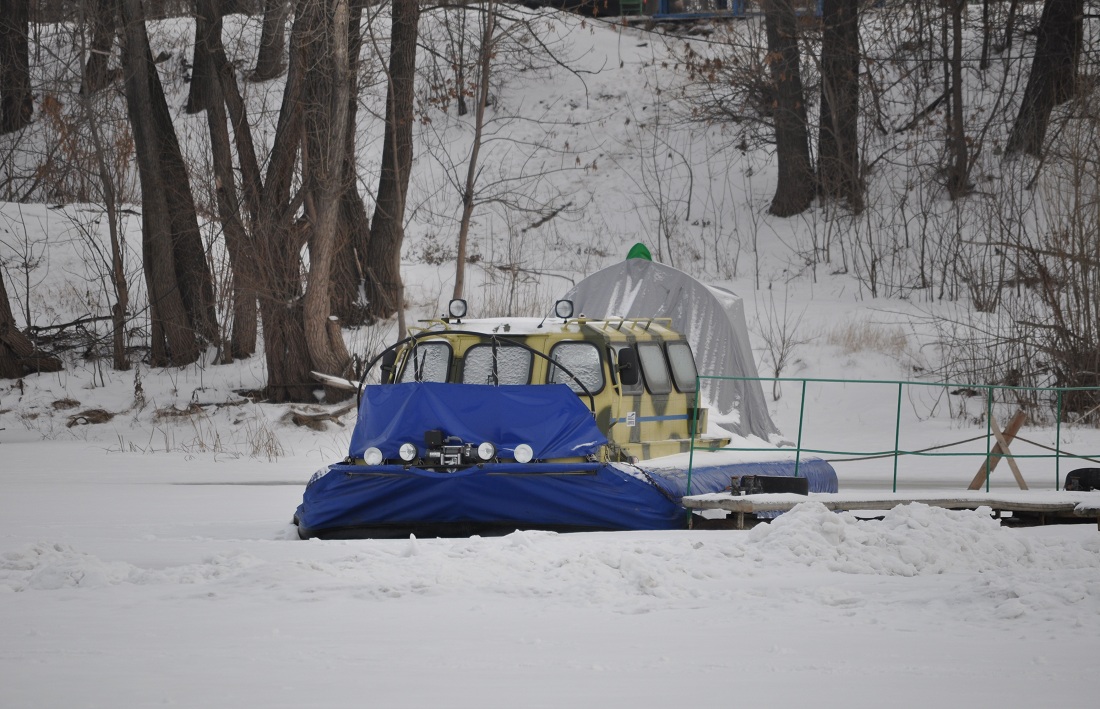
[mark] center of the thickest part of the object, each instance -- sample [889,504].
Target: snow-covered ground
[147,556]
[134,580]
[150,560]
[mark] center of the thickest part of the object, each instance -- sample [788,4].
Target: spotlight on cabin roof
[457,308]
[563,309]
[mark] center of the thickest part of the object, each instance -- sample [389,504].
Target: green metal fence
[990,454]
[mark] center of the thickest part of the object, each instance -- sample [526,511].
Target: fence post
[988,434]
[801,416]
[897,438]
[694,426]
[1058,445]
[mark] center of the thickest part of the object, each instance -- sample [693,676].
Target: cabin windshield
[513,365]
[427,362]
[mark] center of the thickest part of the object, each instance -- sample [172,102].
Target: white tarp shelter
[713,319]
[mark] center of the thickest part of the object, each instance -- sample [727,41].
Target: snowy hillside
[591,134]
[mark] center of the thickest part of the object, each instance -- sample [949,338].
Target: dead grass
[171,413]
[90,416]
[263,440]
[866,336]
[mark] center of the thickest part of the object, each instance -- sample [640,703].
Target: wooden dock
[1034,507]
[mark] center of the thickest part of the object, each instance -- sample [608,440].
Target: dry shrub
[170,413]
[866,336]
[263,441]
[90,416]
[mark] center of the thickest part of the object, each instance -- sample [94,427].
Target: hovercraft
[569,423]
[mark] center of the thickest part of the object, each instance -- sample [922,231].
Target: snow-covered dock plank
[1052,504]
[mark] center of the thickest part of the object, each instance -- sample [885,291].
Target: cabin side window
[513,365]
[654,368]
[582,360]
[427,362]
[683,366]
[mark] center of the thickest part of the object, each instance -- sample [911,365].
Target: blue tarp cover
[538,496]
[704,478]
[364,500]
[548,417]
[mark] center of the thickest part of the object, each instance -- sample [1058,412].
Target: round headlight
[457,308]
[524,454]
[407,452]
[563,309]
[486,451]
[372,456]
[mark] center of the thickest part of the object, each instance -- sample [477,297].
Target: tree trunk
[16,102]
[485,55]
[269,61]
[242,342]
[208,23]
[352,235]
[838,136]
[1010,25]
[181,298]
[102,19]
[277,239]
[987,36]
[1053,76]
[288,377]
[353,228]
[110,204]
[794,191]
[325,143]
[385,292]
[958,184]
[18,355]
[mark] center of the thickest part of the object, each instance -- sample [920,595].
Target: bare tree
[326,109]
[987,36]
[294,203]
[1010,25]
[1053,75]
[269,61]
[779,330]
[208,22]
[18,355]
[117,267]
[16,103]
[101,15]
[353,227]
[838,135]
[181,297]
[277,237]
[958,172]
[795,186]
[210,51]
[485,45]
[485,56]
[385,292]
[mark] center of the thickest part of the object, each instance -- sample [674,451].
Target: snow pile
[53,566]
[598,570]
[911,540]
